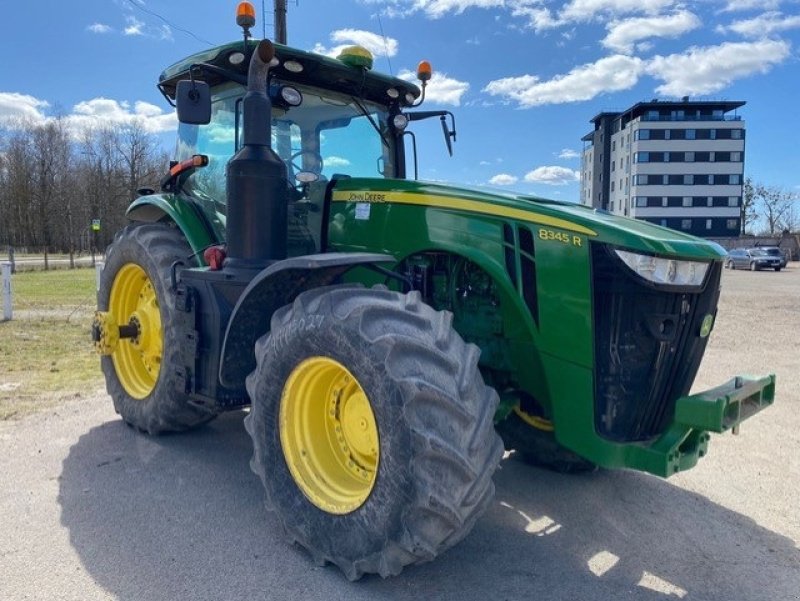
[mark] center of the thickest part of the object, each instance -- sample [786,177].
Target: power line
[172,25]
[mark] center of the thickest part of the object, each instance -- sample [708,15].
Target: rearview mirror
[448,131]
[193,101]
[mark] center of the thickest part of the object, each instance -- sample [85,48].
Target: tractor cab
[331,119]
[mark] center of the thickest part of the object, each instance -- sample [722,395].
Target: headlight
[659,270]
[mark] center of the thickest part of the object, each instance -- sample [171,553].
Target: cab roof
[230,62]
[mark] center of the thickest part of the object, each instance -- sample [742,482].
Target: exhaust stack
[257,188]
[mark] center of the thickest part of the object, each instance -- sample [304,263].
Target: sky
[524,78]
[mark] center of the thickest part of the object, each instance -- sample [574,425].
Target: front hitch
[719,409]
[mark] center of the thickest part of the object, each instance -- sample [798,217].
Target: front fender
[272,288]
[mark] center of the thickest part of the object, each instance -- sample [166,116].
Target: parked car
[754,259]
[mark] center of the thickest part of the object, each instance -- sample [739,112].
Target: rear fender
[156,207]
[274,287]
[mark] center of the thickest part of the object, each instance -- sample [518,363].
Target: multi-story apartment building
[676,164]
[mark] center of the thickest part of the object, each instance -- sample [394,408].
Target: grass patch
[46,354]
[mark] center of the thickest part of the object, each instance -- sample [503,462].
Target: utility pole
[280,21]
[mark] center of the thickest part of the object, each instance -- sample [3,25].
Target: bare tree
[776,204]
[748,213]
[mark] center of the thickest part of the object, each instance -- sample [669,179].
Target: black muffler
[257,188]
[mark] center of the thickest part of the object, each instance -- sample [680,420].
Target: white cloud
[710,69]
[105,111]
[609,74]
[439,8]
[741,5]
[623,34]
[99,28]
[535,12]
[441,88]
[378,45]
[334,161]
[503,179]
[763,25]
[134,26]
[586,10]
[539,19]
[14,107]
[568,153]
[552,176]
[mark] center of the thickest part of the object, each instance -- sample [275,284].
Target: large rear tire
[372,428]
[141,372]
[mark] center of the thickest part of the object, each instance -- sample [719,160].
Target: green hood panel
[611,229]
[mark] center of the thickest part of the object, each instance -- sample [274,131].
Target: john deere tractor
[384,330]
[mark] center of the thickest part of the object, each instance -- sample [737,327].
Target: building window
[613,145]
[735,179]
[611,206]
[702,157]
[733,201]
[737,134]
[708,224]
[663,223]
[612,185]
[641,201]
[687,201]
[613,163]
[688,157]
[688,179]
[732,224]
[674,201]
[690,134]
[686,224]
[736,157]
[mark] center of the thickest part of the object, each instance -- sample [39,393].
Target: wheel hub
[137,354]
[329,435]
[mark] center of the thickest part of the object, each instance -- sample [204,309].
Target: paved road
[90,509]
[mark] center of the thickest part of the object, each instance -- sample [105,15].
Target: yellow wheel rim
[534,421]
[137,361]
[328,435]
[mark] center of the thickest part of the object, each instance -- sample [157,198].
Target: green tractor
[383,331]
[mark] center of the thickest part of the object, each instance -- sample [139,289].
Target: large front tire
[372,428]
[135,290]
[534,440]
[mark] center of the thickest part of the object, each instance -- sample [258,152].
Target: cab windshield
[327,134]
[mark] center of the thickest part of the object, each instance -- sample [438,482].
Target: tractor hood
[596,224]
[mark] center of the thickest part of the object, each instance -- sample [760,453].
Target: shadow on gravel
[181,517]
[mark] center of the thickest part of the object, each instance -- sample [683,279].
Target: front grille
[647,346]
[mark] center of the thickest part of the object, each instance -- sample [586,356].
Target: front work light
[660,270]
[400,121]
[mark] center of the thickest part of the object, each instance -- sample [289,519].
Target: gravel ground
[91,510]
